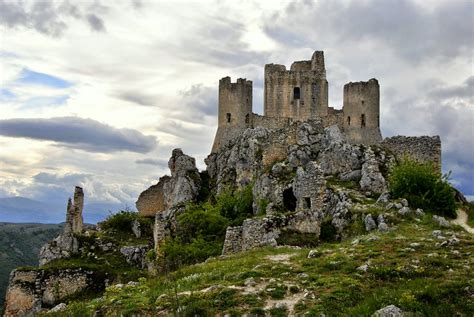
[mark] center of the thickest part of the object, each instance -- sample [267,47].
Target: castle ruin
[299,94]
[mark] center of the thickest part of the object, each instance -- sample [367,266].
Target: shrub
[236,206]
[423,187]
[176,253]
[123,220]
[201,220]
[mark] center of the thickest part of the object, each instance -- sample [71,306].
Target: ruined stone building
[299,94]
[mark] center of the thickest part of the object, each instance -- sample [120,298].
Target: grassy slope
[19,246]
[425,279]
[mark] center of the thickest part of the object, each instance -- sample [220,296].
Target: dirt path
[462,221]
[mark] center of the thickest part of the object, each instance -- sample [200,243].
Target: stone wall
[29,292]
[306,79]
[421,149]
[259,232]
[362,112]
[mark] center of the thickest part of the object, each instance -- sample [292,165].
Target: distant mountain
[25,210]
[20,244]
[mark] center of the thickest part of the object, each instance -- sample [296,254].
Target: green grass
[427,280]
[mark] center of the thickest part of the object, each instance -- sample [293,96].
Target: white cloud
[154,66]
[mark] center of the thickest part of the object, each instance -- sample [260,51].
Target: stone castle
[299,94]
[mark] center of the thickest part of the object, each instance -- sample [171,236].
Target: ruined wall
[271,123]
[361,110]
[421,149]
[235,109]
[308,77]
[29,292]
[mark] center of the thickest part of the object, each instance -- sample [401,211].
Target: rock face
[136,255]
[289,167]
[66,244]
[183,186]
[31,291]
[63,246]
[74,220]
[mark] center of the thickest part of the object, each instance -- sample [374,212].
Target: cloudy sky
[97,93]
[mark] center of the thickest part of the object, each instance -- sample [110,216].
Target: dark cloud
[150,161]
[448,111]
[217,41]
[79,133]
[96,23]
[401,25]
[47,17]
[138,98]
[200,99]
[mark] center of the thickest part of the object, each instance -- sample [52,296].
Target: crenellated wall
[300,93]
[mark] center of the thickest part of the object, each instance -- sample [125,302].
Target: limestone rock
[181,187]
[136,255]
[372,179]
[63,246]
[369,223]
[313,254]
[389,311]
[58,308]
[404,211]
[74,220]
[441,221]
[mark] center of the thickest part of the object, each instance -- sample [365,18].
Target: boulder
[369,223]
[441,221]
[389,311]
[372,179]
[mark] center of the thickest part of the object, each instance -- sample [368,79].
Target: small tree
[423,187]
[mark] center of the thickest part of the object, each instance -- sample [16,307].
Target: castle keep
[299,94]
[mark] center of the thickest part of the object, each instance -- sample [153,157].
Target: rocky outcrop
[136,255]
[183,186]
[66,244]
[74,220]
[259,232]
[63,246]
[30,292]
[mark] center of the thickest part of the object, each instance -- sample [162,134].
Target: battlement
[299,93]
[227,82]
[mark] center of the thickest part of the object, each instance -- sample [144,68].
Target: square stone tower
[300,93]
[235,110]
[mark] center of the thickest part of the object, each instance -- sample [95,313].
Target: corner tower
[235,110]
[361,110]
[300,93]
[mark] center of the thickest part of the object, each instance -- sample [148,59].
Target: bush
[423,187]
[121,221]
[236,206]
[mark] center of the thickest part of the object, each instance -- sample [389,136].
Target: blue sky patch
[30,77]
[6,94]
[39,102]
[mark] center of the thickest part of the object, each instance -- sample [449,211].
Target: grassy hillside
[19,246]
[409,267]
